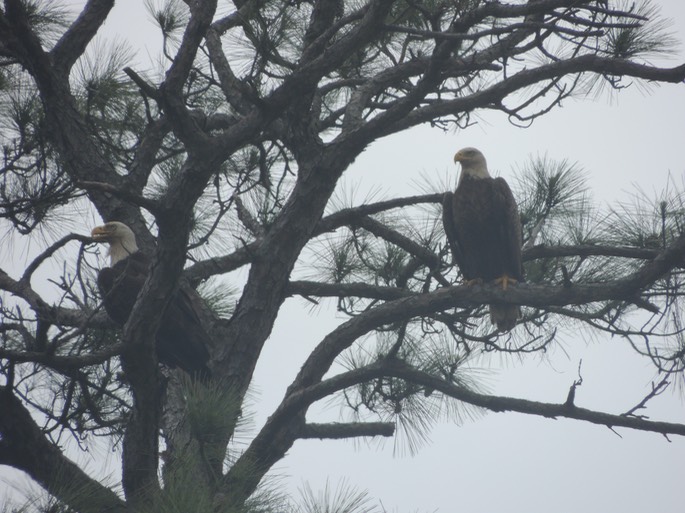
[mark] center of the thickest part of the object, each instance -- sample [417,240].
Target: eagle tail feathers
[504,316]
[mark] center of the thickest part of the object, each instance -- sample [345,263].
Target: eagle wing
[181,339]
[449,223]
[509,223]
[119,285]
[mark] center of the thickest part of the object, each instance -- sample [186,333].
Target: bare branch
[44,311]
[150,205]
[48,252]
[553,411]
[350,430]
[499,91]
[312,288]
[543,251]
[67,365]
[347,216]
[429,258]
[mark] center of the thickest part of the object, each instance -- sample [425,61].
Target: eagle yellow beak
[458,156]
[100,233]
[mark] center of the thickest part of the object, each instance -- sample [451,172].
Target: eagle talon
[505,280]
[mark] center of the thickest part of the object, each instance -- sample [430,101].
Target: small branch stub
[572,390]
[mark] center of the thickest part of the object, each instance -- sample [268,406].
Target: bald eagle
[181,340]
[483,229]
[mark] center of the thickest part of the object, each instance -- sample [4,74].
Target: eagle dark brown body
[181,341]
[483,229]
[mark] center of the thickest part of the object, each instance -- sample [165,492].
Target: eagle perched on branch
[483,229]
[181,341]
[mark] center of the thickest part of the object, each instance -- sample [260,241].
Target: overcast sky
[506,461]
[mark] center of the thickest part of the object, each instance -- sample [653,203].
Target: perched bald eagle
[181,340]
[483,229]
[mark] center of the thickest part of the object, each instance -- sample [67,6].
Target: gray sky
[505,461]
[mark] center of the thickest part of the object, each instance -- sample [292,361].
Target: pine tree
[228,158]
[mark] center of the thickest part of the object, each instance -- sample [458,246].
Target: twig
[657,389]
[336,430]
[572,390]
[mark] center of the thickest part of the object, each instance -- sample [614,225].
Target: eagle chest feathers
[121,283]
[486,227]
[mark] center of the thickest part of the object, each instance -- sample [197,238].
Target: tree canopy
[226,162]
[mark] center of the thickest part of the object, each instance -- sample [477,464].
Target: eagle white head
[472,162]
[122,241]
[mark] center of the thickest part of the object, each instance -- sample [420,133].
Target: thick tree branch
[240,95]
[306,76]
[496,93]
[348,216]
[67,365]
[464,296]
[322,289]
[554,411]
[139,357]
[150,205]
[75,40]
[65,125]
[286,424]
[24,446]
[224,264]
[398,369]
[145,156]
[171,90]
[430,259]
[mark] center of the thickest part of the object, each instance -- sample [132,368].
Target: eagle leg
[505,281]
